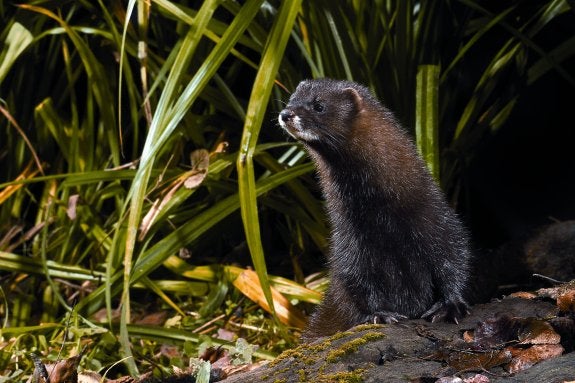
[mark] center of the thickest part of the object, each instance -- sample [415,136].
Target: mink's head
[320,112]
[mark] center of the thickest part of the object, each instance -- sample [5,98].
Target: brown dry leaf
[154,319]
[90,377]
[477,379]
[549,292]
[249,284]
[566,300]
[194,178]
[200,162]
[191,179]
[565,327]
[525,358]
[200,159]
[449,379]
[537,331]
[65,371]
[8,191]
[524,295]
[171,351]
[149,219]
[494,332]
[468,336]
[214,354]
[466,361]
[158,205]
[221,147]
[72,206]
[101,316]
[224,334]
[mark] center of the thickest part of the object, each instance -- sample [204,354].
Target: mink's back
[391,224]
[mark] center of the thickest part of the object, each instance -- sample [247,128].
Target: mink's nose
[286,115]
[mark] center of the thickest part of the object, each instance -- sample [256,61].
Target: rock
[413,351]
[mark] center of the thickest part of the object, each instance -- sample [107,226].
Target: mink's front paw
[448,311]
[386,317]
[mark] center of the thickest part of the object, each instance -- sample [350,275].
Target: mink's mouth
[292,124]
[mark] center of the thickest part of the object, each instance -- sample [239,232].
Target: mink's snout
[286,115]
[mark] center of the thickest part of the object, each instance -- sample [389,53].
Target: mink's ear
[355,98]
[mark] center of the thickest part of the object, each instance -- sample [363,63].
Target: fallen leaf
[224,334]
[90,377]
[72,206]
[101,316]
[565,327]
[170,351]
[549,292]
[212,353]
[477,379]
[494,332]
[525,358]
[64,371]
[249,284]
[523,295]
[221,147]
[537,331]
[190,179]
[9,190]
[566,301]
[149,219]
[449,379]
[200,159]
[194,178]
[478,361]
[153,319]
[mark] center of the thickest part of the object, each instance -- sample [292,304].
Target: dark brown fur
[397,249]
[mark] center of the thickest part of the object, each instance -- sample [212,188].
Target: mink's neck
[373,196]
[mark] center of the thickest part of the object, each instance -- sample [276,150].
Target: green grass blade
[160,123]
[19,264]
[427,116]
[196,227]
[187,233]
[98,79]
[476,37]
[175,336]
[255,114]
[559,54]
[16,42]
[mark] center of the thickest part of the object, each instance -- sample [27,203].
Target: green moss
[282,371]
[352,346]
[339,335]
[320,346]
[308,355]
[368,326]
[301,374]
[372,335]
[343,377]
[293,353]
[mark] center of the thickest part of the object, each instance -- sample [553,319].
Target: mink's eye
[318,106]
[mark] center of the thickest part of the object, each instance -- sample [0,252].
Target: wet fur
[397,249]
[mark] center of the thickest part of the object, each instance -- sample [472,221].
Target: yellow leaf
[249,284]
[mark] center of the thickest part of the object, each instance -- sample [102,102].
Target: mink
[397,249]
